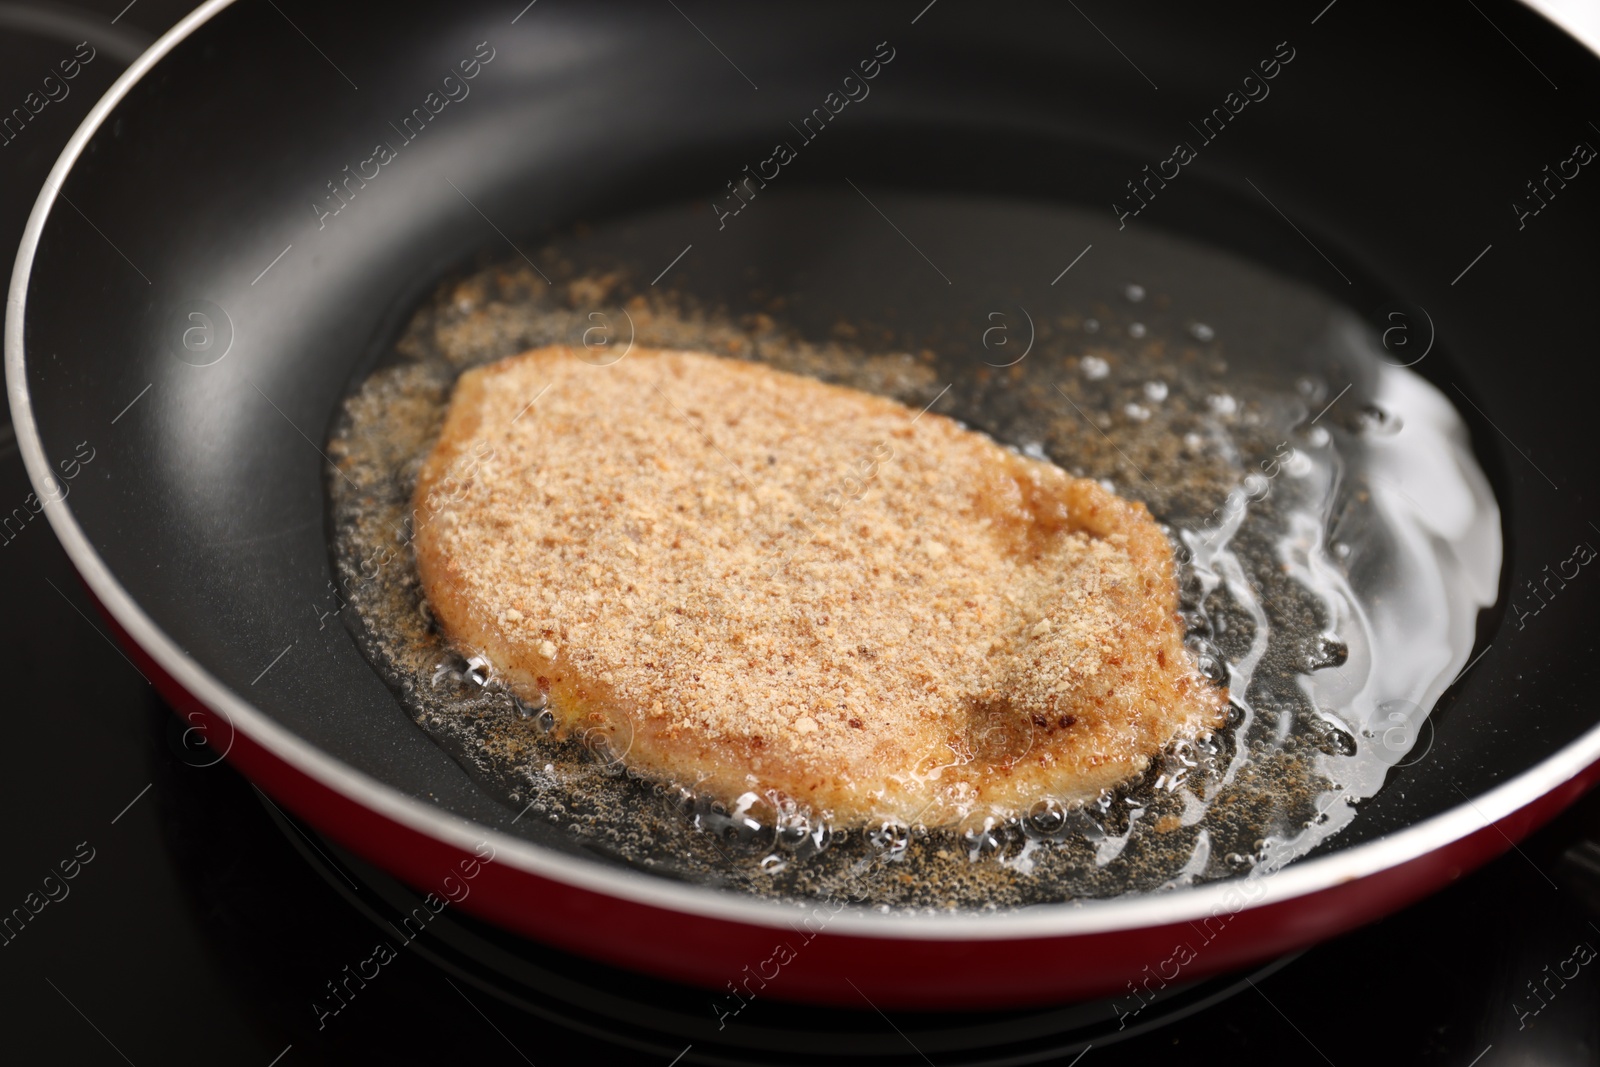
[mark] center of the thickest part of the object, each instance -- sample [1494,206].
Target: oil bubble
[890,837]
[1047,817]
[982,834]
[479,670]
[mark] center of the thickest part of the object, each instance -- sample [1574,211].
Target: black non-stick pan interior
[1382,167]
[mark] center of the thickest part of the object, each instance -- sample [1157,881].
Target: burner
[282,914]
[665,1019]
[295,920]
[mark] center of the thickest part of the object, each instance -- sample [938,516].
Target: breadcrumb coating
[748,581]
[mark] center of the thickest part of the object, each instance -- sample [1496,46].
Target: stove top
[156,908]
[175,914]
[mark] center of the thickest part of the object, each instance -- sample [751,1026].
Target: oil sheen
[1335,536]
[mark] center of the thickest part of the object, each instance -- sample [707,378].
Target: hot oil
[1334,544]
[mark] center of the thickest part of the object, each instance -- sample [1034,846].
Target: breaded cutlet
[750,581]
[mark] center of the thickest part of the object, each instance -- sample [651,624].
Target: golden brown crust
[749,580]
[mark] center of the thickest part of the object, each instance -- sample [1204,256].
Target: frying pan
[1383,168]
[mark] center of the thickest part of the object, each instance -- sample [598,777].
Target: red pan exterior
[898,972]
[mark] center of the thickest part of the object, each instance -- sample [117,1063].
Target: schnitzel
[746,581]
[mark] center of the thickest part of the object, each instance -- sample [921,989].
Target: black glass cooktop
[155,908]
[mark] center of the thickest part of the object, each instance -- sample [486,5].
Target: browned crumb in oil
[575,794]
